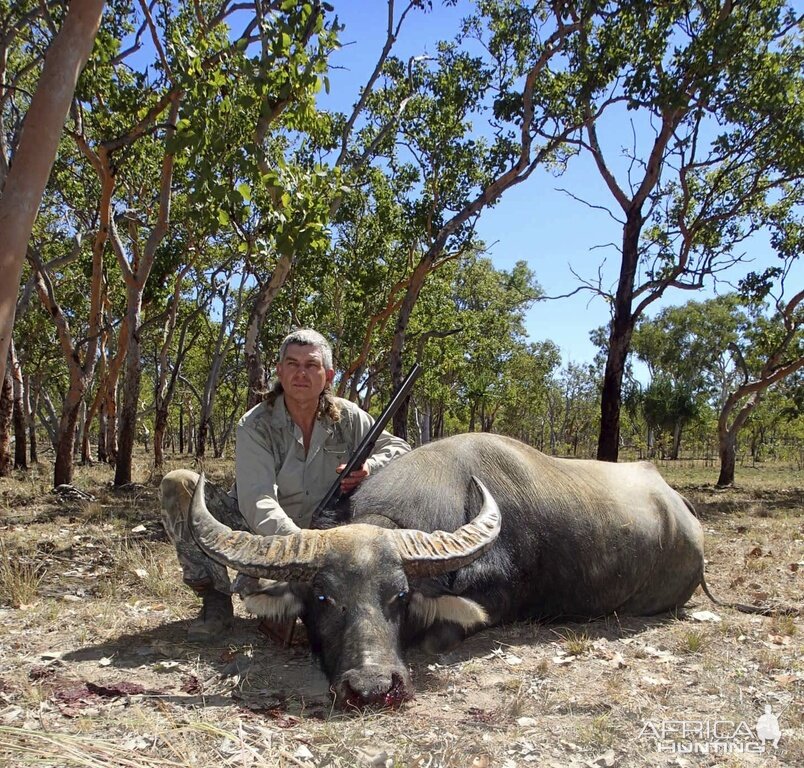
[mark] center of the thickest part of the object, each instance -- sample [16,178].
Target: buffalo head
[354,587]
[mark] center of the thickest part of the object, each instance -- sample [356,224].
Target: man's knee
[176,490]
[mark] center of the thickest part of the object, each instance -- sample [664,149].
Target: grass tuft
[692,642]
[19,578]
[576,643]
[155,573]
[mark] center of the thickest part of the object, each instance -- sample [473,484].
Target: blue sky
[533,221]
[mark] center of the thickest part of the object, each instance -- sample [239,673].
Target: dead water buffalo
[430,556]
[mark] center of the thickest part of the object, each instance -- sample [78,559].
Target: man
[289,450]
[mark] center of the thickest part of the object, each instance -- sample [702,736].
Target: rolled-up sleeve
[386,448]
[257,493]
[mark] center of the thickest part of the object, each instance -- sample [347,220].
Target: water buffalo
[429,556]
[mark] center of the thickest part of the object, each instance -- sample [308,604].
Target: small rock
[705,616]
[303,753]
[606,760]
[526,722]
[165,666]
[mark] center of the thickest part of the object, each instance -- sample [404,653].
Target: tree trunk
[223,344]
[6,406]
[19,416]
[167,372]
[622,328]
[109,402]
[131,391]
[215,452]
[201,439]
[50,420]
[676,448]
[80,426]
[103,455]
[63,470]
[160,428]
[86,435]
[257,375]
[95,405]
[728,428]
[425,419]
[136,275]
[31,403]
[20,437]
[728,458]
[65,441]
[111,426]
[438,422]
[36,150]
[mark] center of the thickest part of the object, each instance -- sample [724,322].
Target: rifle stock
[366,445]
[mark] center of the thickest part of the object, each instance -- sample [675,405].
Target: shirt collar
[281,418]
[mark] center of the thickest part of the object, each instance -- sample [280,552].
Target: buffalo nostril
[388,693]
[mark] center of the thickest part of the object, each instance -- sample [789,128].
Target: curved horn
[285,558]
[431,554]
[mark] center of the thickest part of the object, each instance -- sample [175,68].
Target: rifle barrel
[366,445]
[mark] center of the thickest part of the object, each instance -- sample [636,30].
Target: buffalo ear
[451,608]
[275,600]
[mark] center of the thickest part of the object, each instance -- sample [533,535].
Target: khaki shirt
[277,487]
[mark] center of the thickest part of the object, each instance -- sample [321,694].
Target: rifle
[366,446]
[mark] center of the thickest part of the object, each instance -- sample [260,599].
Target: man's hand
[353,479]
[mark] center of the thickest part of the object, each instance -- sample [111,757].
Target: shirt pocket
[337,450]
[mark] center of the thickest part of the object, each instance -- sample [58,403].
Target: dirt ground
[95,670]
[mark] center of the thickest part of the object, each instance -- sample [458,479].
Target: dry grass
[94,670]
[19,577]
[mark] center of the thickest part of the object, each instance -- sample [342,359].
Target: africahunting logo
[714,737]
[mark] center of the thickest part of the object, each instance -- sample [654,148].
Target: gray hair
[307,337]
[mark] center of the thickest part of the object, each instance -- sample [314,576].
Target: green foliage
[255,180]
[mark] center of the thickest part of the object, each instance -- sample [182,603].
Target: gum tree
[713,93]
[24,180]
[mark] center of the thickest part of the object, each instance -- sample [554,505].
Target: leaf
[245,192]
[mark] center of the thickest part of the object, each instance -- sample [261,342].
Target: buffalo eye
[324,599]
[403,595]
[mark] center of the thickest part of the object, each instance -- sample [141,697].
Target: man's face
[302,372]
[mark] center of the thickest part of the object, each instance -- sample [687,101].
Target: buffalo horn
[284,558]
[430,554]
